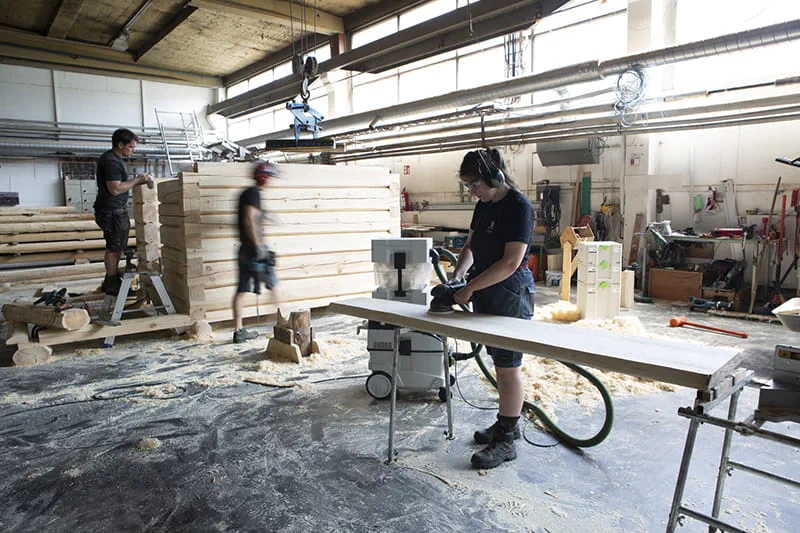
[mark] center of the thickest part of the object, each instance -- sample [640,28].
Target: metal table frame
[393,405]
[749,427]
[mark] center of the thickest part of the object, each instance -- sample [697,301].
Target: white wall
[40,94]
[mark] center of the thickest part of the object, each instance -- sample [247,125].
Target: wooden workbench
[687,365]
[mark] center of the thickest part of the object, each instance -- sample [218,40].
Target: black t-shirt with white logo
[496,223]
[252,197]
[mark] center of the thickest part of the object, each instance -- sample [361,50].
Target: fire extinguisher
[405,204]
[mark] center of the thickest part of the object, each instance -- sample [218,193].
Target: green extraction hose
[562,435]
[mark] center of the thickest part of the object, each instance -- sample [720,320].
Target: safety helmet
[263,171]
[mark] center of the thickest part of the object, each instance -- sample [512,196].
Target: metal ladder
[114,305]
[183,131]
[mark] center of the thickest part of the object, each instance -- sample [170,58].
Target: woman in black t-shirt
[500,283]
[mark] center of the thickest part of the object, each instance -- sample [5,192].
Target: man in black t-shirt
[253,249]
[111,205]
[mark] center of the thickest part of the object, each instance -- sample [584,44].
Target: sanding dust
[148,443]
[201,331]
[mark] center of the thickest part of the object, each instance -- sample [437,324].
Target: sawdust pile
[560,311]
[160,391]
[201,331]
[337,352]
[147,444]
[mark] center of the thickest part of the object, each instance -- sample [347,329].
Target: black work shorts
[116,224]
[250,280]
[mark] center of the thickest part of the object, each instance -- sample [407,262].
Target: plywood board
[687,365]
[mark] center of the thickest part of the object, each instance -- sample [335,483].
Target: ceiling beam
[176,21]
[446,32]
[65,18]
[57,53]
[276,12]
[275,58]
[378,13]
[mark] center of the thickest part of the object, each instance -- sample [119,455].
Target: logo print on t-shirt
[490,227]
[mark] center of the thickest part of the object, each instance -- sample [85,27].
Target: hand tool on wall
[765,245]
[679,321]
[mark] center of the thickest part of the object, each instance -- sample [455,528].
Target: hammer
[679,321]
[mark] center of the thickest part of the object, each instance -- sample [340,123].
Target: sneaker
[244,335]
[490,434]
[495,453]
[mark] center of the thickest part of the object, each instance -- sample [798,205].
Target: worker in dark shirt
[111,205]
[499,283]
[253,249]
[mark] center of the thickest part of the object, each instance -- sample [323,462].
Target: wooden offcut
[68,319]
[687,365]
[320,221]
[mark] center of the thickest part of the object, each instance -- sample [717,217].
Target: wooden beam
[272,60]
[127,327]
[182,15]
[69,55]
[687,365]
[65,18]
[276,11]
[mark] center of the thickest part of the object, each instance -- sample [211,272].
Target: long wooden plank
[336,218]
[5,211]
[128,326]
[47,227]
[91,255]
[698,367]
[296,290]
[28,275]
[263,310]
[290,205]
[56,236]
[42,247]
[11,219]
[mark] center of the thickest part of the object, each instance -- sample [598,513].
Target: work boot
[244,335]
[111,285]
[496,453]
[490,434]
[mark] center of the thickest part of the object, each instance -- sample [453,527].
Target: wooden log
[17,333]
[48,227]
[68,319]
[263,310]
[294,290]
[71,217]
[128,326]
[16,210]
[29,275]
[91,255]
[31,354]
[57,236]
[298,324]
[33,248]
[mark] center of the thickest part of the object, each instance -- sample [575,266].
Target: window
[374,32]
[428,81]
[375,95]
[481,68]
[236,90]
[426,12]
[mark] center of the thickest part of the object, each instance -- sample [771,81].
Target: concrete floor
[237,456]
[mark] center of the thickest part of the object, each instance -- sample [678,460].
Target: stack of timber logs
[148,235]
[50,234]
[320,222]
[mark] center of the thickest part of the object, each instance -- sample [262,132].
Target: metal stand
[393,404]
[748,427]
[114,305]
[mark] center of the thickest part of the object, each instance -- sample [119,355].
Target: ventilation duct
[576,152]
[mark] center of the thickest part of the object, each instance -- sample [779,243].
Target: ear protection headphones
[488,171]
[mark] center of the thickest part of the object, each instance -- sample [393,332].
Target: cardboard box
[675,285]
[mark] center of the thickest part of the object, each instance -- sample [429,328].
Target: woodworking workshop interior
[399,266]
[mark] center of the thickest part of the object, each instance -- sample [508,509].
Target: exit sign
[406,170]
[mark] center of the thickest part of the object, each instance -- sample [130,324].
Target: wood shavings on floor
[160,391]
[148,444]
